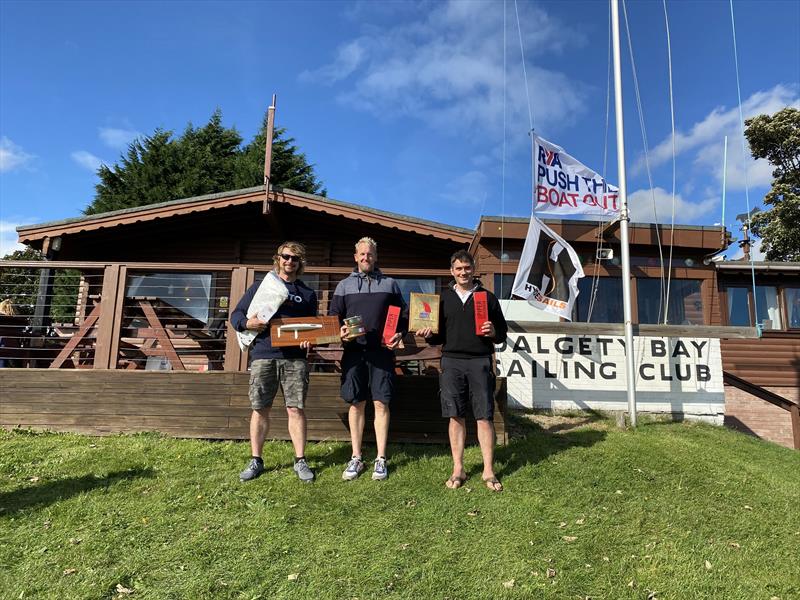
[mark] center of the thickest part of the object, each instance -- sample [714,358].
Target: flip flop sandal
[455,482]
[493,483]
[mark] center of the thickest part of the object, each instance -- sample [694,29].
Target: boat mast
[624,217]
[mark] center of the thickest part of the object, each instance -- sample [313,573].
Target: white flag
[548,272]
[563,186]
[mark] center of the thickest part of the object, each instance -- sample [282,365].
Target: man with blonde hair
[285,366]
[367,361]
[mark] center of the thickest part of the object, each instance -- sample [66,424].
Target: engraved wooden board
[423,312]
[289,331]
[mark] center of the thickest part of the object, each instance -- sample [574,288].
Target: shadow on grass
[39,496]
[530,443]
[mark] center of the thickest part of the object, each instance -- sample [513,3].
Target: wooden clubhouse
[139,340]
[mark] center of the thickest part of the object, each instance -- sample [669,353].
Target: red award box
[481,310]
[390,328]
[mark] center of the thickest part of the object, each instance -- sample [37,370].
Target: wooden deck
[207,405]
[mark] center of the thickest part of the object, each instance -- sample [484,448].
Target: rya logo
[549,157]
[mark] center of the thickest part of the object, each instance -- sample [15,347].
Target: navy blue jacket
[302,302]
[368,295]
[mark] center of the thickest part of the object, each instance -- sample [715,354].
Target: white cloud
[470,188]
[705,140]
[11,155]
[8,238]
[446,68]
[641,207]
[117,138]
[87,160]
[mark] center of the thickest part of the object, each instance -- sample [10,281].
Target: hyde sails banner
[548,273]
[564,186]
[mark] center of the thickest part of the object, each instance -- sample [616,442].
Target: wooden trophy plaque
[424,312]
[291,331]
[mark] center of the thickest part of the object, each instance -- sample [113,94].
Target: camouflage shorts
[267,374]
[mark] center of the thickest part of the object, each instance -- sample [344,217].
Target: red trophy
[390,328]
[481,302]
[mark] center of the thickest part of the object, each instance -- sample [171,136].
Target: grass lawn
[668,511]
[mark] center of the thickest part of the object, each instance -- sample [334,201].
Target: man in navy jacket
[468,366]
[285,366]
[368,363]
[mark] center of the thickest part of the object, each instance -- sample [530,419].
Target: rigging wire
[744,164]
[643,129]
[599,245]
[503,169]
[531,115]
[672,120]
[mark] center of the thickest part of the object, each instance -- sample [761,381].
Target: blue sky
[400,105]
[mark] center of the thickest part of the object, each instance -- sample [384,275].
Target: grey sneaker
[381,471]
[354,468]
[253,470]
[304,472]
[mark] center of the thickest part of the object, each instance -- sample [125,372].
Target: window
[792,298]
[418,286]
[503,284]
[607,305]
[188,292]
[738,306]
[685,305]
[769,311]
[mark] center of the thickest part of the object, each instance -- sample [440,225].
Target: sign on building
[563,372]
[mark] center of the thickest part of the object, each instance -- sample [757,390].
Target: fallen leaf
[121,589]
[70,571]
[411,503]
[569,538]
[618,492]
[746,507]
[293,506]
[92,445]
[200,497]
[404,546]
[708,566]
[75,540]
[293,577]
[651,596]
[734,545]
[631,584]
[46,524]
[551,573]
[508,584]
[474,513]
[605,558]
[535,573]
[579,522]
[562,525]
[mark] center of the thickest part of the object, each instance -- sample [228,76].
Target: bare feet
[493,483]
[456,481]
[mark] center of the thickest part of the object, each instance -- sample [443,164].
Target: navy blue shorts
[367,375]
[467,379]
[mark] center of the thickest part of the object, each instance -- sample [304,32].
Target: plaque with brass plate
[295,330]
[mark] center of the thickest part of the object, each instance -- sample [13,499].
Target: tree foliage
[777,138]
[21,286]
[202,160]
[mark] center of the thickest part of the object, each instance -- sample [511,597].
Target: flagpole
[624,217]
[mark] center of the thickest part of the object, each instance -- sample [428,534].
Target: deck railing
[150,316]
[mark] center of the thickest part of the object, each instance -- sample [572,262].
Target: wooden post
[268,152]
[795,414]
[238,287]
[105,324]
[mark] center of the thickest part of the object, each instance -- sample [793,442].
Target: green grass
[685,511]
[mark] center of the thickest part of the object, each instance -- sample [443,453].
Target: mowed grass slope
[674,510]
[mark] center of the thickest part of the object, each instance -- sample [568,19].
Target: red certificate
[481,310]
[390,328]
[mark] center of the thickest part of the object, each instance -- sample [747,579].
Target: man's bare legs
[381,426]
[457,430]
[486,439]
[259,427]
[297,429]
[356,418]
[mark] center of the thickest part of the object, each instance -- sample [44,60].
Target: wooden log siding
[209,405]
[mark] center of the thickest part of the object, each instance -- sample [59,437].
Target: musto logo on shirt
[297,299]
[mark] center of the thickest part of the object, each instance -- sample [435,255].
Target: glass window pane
[792,296]
[738,311]
[188,292]
[418,286]
[685,306]
[607,306]
[502,285]
[769,313]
